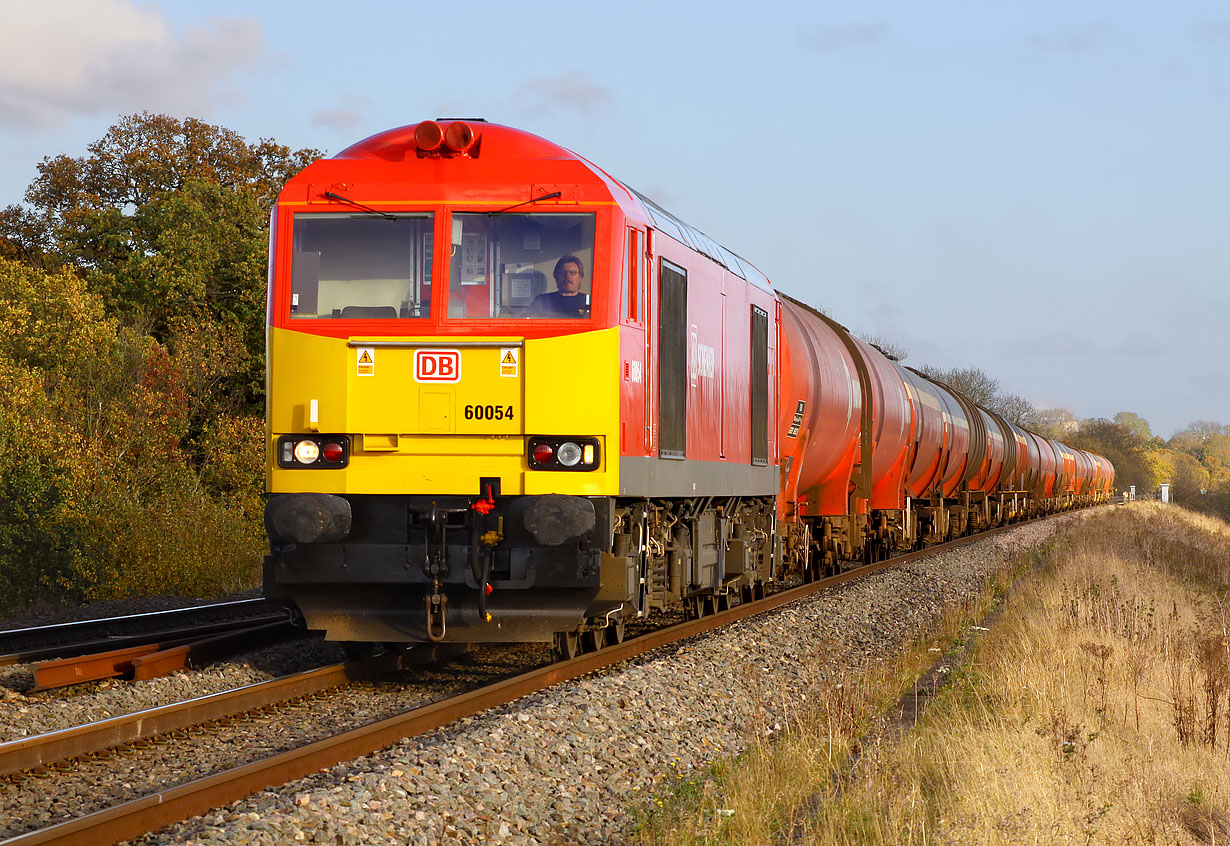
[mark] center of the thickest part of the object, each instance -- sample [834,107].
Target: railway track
[83,637]
[157,809]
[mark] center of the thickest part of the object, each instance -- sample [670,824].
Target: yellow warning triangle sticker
[509,358]
[365,357]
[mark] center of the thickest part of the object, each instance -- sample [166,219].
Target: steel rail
[101,621]
[158,658]
[76,648]
[157,810]
[53,747]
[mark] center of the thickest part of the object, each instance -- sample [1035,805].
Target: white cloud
[829,39]
[573,91]
[76,57]
[1213,31]
[1074,39]
[343,118]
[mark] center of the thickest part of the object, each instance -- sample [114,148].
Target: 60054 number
[488,412]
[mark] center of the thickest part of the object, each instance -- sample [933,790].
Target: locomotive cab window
[361,266]
[509,265]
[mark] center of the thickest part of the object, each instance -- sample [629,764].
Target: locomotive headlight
[306,452]
[313,452]
[568,454]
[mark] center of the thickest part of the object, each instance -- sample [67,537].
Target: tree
[1125,449]
[1190,479]
[1016,409]
[166,219]
[24,237]
[97,497]
[1057,423]
[131,337]
[1199,436]
[1135,424]
[975,384]
[892,349]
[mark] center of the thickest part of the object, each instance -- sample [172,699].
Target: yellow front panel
[415,433]
[390,393]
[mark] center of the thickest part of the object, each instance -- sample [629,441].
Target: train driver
[567,301]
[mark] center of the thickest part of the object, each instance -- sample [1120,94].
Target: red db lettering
[437,366]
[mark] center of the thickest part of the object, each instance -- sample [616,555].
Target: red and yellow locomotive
[511,399]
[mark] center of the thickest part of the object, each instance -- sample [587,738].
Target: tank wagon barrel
[512,399]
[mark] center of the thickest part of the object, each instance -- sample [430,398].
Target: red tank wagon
[511,399]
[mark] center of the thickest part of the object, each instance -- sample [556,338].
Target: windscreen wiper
[367,209]
[527,202]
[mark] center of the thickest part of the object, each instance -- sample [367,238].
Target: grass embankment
[1096,710]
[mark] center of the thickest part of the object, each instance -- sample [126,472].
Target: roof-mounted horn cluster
[456,138]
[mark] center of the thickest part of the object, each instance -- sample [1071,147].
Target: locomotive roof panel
[497,153]
[699,241]
[497,165]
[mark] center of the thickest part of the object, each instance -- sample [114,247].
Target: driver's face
[568,279]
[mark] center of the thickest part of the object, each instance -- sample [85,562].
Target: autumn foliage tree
[132,288]
[100,500]
[167,221]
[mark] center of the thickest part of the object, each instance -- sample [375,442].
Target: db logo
[437,366]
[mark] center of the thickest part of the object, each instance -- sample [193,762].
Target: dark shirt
[557,305]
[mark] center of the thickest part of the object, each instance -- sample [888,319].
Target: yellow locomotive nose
[389,415]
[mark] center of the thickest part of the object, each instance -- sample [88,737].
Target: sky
[1040,190]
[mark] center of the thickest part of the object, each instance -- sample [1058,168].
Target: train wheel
[692,608]
[567,645]
[615,632]
[363,651]
[594,640]
[708,605]
[723,602]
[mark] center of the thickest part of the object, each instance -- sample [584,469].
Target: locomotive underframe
[518,569]
[813,547]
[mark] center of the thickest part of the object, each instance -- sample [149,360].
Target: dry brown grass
[1097,710]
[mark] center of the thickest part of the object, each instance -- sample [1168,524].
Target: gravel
[576,763]
[24,714]
[573,764]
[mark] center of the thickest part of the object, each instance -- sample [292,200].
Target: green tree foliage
[132,307]
[167,221]
[98,498]
[1136,424]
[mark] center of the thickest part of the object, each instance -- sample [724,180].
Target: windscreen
[521,265]
[363,266]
